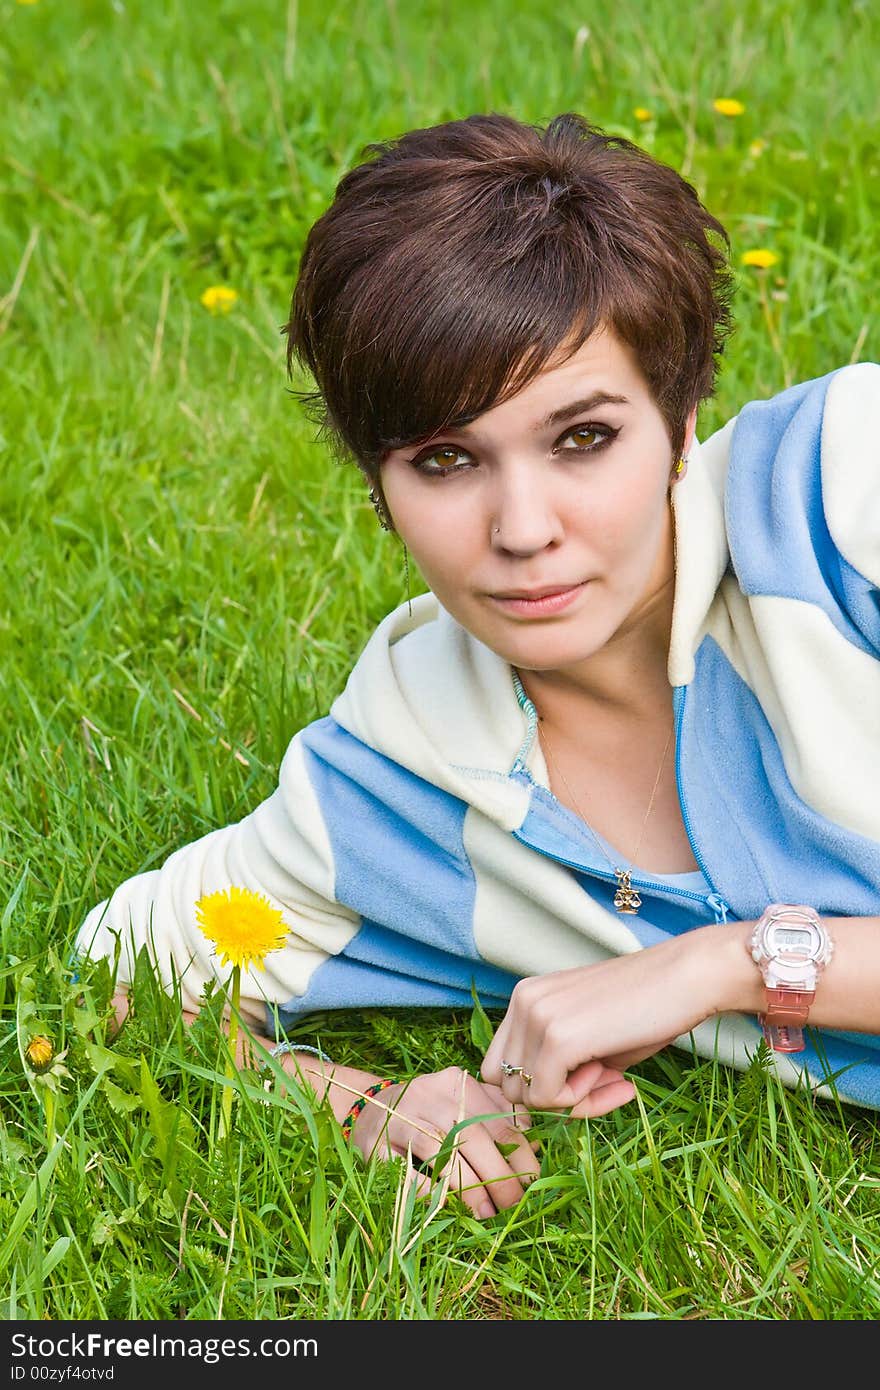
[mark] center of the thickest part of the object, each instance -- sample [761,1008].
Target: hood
[427,694]
[701,549]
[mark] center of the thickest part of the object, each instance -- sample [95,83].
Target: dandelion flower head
[728,106]
[218,299]
[642,113]
[39,1052]
[761,257]
[244,926]
[46,1066]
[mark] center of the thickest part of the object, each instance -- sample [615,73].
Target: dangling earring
[379,509]
[406,568]
[678,470]
[383,522]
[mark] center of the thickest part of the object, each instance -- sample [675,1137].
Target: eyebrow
[562,412]
[588,403]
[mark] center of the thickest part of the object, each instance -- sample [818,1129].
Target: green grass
[187,580]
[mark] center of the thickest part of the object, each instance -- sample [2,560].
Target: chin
[543,651]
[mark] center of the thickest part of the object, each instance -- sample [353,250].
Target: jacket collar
[701,549]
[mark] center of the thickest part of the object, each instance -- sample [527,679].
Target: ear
[679,467]
[690,430]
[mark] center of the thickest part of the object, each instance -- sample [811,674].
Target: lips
[539,593]
[556,601]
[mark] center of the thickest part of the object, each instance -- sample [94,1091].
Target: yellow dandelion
[218,299]
[760,256]
[40,1050]
[728,106]
[757,148]
[642,113]
[244,926]
[45,1070]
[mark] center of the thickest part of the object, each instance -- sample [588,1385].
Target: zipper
[714,899]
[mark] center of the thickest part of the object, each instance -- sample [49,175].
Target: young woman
[615,772]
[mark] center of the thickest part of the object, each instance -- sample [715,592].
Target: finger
[624,1060]
[490,1067]
[555,1092]
[515,1087]
[419,1177]
[467,1184]
[517,1113]
[517,1151]
[458,1175]
[603,1100]
[501,1172]
[462,1180]
[511,1128]
[504,1175]
[504,1047]
[524,1120]
[455,1176]
[590,1077]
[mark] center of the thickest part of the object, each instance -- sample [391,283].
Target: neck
[627,680]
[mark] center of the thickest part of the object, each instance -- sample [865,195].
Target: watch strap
[786,1013]
[788,1007]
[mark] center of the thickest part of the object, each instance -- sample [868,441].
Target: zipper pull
[719,907]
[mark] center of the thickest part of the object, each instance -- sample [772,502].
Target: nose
[524,515]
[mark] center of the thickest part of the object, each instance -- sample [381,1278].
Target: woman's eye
[586,438]
[445,457]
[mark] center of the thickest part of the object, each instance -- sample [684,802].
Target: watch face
[788,937]
[793,936]
[801,941]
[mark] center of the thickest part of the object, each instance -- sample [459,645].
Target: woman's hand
[574,1031]
[417,1115]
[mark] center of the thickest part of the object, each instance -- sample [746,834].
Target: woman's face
[564,484]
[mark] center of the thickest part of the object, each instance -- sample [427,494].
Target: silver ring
[509,1070]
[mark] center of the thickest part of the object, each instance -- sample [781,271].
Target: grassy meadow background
[187,579]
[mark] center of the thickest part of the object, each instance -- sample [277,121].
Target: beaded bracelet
[348,1122]
[282,1048]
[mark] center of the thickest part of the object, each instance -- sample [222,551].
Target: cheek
[445,553]
[613,520]
[625,532]
[440,537]
[425,520]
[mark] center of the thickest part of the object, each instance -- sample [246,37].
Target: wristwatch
[791,947]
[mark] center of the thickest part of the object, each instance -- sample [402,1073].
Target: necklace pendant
[627,898]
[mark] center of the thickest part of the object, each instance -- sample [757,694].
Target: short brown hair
[457,260]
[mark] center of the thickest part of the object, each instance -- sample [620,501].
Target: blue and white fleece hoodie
[413,844]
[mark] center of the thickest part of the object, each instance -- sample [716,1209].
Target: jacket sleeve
[282,851]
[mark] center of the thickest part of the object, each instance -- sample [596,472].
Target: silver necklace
[626,899]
